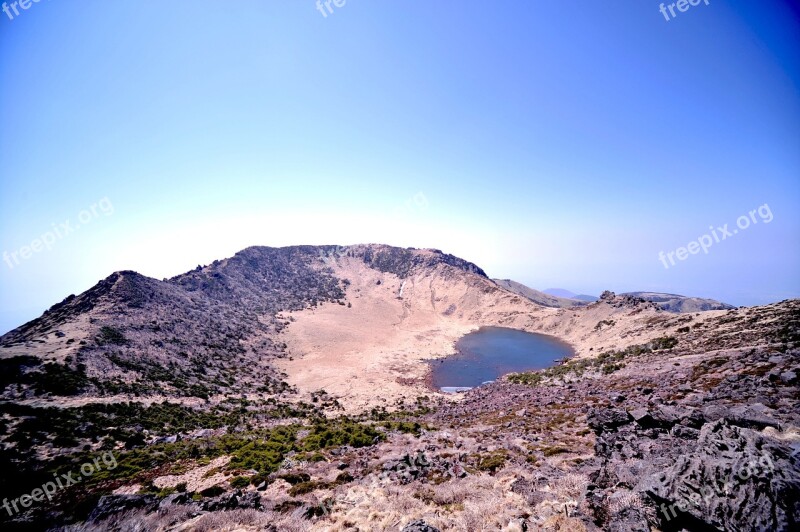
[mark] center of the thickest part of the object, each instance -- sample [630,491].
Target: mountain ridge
[202,325]
[286,389]
[678,303]
[537,296]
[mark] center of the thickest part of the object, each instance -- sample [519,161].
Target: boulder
[734,479]
[419,526]
[109,505]
[607,419]
[233,501]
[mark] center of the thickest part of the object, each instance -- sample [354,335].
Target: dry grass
[137,521]
[562,523]
[623,500]
[476,503]
[245,520]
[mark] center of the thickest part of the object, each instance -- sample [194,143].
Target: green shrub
[58,379]
[166,491]
[295,478]
[407,427]
[492,462]
[343,478]
[213,491]
[257,479]
[552,451]
[325,435]
[239,482]
[110,335]
[605,363]
[305,487]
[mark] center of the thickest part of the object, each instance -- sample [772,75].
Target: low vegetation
[605,363]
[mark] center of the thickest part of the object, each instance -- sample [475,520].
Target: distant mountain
[566,294]
[678,303]
[536,296]
[210,331]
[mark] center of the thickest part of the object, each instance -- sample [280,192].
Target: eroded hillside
[284,389]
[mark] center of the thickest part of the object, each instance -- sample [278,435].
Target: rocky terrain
[284,389]
[676,303]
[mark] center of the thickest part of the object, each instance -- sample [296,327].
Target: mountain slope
[566,294]
[536,296]
[198,334]
[268,319]
[677,303]
[284,389]
[207,332]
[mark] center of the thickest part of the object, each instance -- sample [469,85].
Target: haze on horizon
[558,145]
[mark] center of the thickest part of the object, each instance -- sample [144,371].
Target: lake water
[490,352]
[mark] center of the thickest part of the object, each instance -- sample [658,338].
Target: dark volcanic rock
[419,526]
[607,419]
[735,479]
[114,504]
[725,476]
[232,501]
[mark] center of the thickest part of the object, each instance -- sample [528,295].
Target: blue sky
[560,143]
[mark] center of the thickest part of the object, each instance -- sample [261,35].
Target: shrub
[665,342]
[305,487]
[213,491]
[344,478]
[605,363]
[552,451]
[110,335]
[493,462]
[58,379]
[239,482]
[256,480]
[165,492]
[336,434]
[295,478]
[407,427]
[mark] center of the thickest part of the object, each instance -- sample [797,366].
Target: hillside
[536,296]
[260,321]
[677,303]
[285,389]
[567,294]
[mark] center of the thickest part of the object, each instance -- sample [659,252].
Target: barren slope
[373,351]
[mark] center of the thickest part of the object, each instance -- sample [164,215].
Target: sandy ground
[374,352]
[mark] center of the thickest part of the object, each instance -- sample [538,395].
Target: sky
[557,143]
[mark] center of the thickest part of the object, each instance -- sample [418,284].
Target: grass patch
[327,434]
[553,451]
[493,461]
